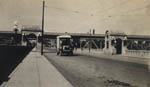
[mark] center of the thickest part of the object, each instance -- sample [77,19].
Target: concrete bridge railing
[138,53]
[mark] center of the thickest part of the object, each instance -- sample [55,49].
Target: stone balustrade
[138,53]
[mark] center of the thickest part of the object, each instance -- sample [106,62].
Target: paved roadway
[88,71]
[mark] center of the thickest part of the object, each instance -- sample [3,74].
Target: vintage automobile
[64,45]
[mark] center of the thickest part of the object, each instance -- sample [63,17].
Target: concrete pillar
[105,47]
[101,44]
[80,44]
[22,38]
[111,48]
[109,44]
[23,34]
[124,48]
[132,41]
[36,41]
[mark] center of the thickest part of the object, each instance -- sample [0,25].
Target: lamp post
[15,27]
[43,9]
[15,31]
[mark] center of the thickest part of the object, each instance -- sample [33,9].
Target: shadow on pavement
[49,50]
[10,57]
[70,55]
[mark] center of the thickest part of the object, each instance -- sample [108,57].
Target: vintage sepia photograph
[74,43]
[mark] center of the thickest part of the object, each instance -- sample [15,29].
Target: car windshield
[65,41]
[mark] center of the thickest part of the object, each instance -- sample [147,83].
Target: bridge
[25,65]
[77,35]
[117,43]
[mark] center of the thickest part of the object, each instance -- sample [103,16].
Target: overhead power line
[115,6]
[70,11]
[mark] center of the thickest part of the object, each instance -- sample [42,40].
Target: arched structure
[114,42]
[30,33]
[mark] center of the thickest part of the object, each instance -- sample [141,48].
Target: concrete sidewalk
[100,54]
[36,71]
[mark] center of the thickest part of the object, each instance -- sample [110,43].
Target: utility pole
[43,9]
[90,42]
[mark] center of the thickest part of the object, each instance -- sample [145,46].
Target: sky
[78,16]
